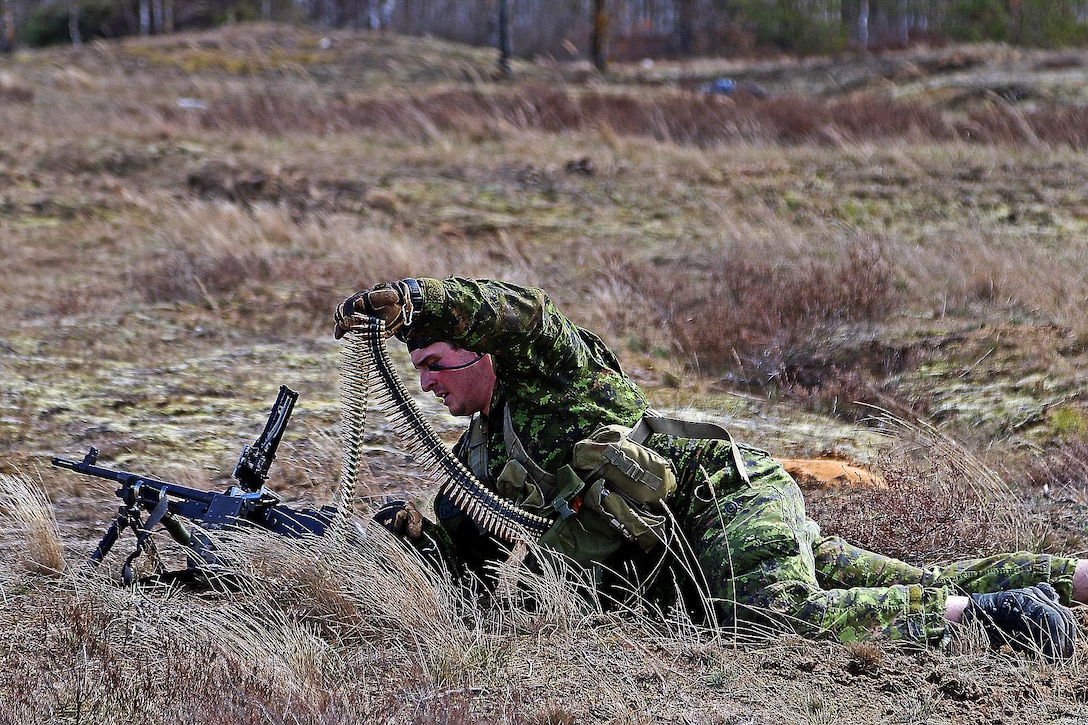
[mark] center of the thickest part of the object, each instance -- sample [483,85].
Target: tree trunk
[157,15]
[685,27]
[7,26]
[73,24]
[904,24]
[504,38]
[145,17]
[598,44]
[168,16]
[863,25]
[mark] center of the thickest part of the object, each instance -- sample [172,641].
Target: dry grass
[678,118]
[942,503]
[166,266]
[33,538]
[333,631]
[764,311]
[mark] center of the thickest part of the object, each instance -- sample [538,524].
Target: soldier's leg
[840,564]
[754,547]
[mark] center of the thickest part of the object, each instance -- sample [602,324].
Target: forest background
[598,29]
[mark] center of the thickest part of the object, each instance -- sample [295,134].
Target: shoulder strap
[653,422]
[476,452]
[544,481]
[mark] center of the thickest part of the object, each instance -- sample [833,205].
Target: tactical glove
[394,304]
[402,519]
[1029,619]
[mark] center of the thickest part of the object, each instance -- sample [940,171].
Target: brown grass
[941,503]
[165,267]
[678,118]
[755,317]
[33,537]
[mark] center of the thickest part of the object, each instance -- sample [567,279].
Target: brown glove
[394,304]
[401,518]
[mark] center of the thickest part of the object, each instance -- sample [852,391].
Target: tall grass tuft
[754,314]
[677,117]
[25,511]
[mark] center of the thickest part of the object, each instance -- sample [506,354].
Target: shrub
[194,275]
[941,502]
[788,25]
[755,311]
[1049,24]
[977,20]
[697,120]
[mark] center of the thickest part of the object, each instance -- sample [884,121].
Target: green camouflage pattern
[766,562]
[760,558]
[841,565]
[560,381]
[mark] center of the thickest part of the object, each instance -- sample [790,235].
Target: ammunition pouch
[618,487]
[627,467]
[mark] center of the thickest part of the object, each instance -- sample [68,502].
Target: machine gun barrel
[129,480]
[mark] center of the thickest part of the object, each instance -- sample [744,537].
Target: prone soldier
[560,429]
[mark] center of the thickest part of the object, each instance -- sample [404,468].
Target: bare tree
[863,25]
[73,23]
[7,30]
[503,21]
[598,43]
[685,26]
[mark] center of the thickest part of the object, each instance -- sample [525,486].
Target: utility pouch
[513,483]
[633,522]
[642,475]
[591,536]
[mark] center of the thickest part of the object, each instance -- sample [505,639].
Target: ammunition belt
[366,366]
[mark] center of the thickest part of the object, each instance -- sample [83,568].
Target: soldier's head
[463,379]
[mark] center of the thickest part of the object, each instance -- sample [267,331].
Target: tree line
[594,29]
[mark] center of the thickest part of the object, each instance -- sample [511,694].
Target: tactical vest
[618,487]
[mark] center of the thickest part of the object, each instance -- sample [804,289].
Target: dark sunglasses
[440,368]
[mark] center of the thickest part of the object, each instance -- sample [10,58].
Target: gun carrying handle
[176,529]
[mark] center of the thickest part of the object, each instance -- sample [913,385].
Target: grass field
[885,261]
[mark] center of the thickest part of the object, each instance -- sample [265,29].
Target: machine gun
[167,503]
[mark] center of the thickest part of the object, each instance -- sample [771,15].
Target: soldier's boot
[1028,619]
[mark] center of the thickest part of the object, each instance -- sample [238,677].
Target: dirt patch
[825,473]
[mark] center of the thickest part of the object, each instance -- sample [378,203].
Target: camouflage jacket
[560,382]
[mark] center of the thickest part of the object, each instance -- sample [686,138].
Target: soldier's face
[463,380]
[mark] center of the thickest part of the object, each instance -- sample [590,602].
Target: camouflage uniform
[761,558]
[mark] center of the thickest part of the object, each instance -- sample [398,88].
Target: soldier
[723,518]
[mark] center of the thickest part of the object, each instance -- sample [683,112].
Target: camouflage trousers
[764,562]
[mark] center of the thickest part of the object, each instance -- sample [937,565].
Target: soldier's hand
[1029,618]
[401,518]
[394,304]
